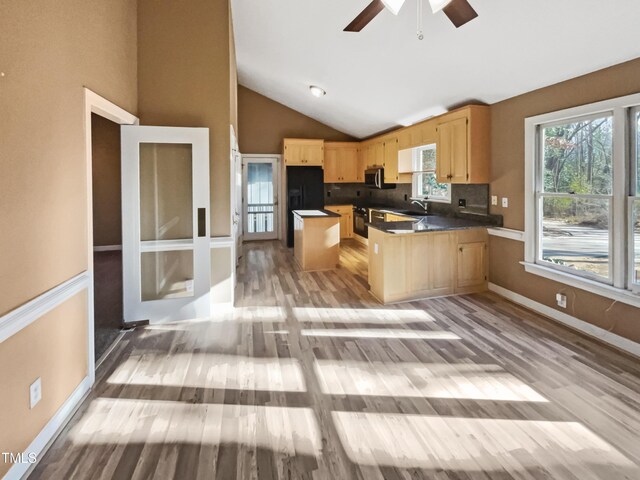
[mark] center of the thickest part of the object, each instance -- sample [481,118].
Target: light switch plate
[494,200]
[35,392]
[505,202]
[375,248]
[561,300]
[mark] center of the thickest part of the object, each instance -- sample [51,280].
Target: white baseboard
[107,248]
[52,429]
[575,323]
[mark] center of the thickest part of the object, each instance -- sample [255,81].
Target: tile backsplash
[476,197]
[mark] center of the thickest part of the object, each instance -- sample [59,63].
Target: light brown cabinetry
[390,162]
[316,242]
[463,145]
[420,265]
[303,152]
[472,260]
[346,219]
[417,135]
[341,163]
[392,217]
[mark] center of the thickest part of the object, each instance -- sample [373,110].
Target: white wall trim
[570,321]
[509,233]
[107,248]
[222,242]
[25,315]
[592,286]
[52,429]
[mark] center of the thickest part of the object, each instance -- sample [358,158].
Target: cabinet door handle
[460,248]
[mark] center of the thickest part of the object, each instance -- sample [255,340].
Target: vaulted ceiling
[384,76]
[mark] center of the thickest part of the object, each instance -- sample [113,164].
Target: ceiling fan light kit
[459,12]
[437,5]
[393,6]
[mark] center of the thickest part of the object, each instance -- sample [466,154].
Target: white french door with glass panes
[260,186]
[165,223]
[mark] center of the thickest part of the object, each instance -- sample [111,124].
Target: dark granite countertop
[430,223]
[313,213]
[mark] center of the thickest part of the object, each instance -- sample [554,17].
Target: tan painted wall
[508,181]
[53,348]
[105,153]
[184,72]
[49,51]
[264,123]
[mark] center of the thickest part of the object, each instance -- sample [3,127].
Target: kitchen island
[316,239]
[433,256]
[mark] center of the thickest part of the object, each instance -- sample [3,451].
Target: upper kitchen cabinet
[390,162]
[463,145]
[417,135]
[303,152]
[341,163]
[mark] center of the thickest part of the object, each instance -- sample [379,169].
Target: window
[425,185]
[634,202]
[575,172]
[582,197]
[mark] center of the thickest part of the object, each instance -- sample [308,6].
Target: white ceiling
[384,76]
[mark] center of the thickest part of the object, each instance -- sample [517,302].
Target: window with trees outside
[424,183]
[583,197]
[575,198]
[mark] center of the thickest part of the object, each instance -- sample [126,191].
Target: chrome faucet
[424,204]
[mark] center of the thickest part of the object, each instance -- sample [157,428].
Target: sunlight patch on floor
[381,333]
[361,315]
[474,444]
[460,381]
[286,430]
[212,370]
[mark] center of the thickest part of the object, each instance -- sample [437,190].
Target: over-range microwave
[374,178]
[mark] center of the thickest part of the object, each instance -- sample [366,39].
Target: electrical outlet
[561,300]
[505,202]
[35,392]
[462,202]
[494,200]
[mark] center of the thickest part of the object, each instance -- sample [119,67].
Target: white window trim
[619,238]
[415,158]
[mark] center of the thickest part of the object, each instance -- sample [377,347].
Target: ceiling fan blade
[368,14]
[459,12]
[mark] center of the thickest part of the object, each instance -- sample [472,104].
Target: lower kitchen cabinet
[346,219]
[405,267]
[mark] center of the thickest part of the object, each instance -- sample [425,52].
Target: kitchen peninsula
[433,256]
[316,239]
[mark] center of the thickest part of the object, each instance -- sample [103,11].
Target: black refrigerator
[305,191]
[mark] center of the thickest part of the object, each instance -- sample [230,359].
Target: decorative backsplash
[476,197]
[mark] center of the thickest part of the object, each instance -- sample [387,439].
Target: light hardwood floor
[310,377]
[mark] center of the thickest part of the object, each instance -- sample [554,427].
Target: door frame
[94,103]
[276,159]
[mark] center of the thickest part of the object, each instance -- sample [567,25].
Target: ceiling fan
[458,11]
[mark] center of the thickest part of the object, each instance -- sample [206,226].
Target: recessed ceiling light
[317,91]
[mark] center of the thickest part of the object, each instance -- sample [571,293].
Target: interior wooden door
[165,223]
